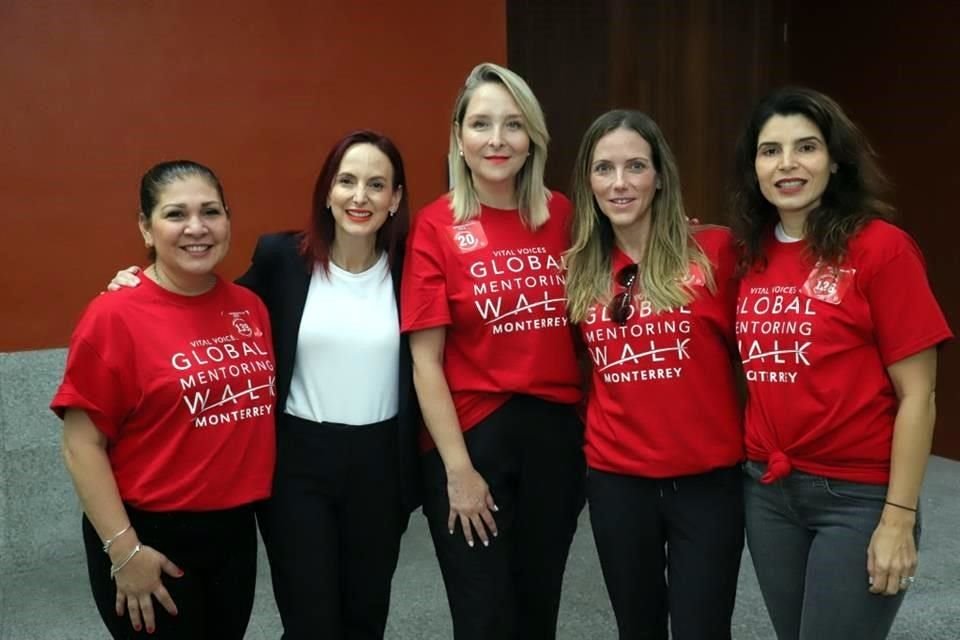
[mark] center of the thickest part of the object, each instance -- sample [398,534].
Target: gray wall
[39,512]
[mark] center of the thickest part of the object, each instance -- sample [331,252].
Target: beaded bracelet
[116,568]
[109,541]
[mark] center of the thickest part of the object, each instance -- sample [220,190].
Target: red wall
[95,92]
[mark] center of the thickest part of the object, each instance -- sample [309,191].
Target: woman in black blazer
[346,478]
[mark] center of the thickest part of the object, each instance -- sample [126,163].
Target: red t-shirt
[183,389]
[816,344]
[498,287]
[663,399]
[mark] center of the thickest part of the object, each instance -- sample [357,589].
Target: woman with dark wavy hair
[838,332]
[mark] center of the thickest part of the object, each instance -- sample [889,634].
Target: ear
[395,199]
[144,224]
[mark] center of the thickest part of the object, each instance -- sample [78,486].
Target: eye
[345,181]
[602,168]
[377,185]
[637,166]
[212,211]
[479,125]
[173,214]
[767,151]
[808,147]
[515,125]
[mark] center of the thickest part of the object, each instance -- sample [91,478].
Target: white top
[348,351]
[782,235]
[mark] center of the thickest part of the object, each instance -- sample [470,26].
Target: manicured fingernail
[451,531]
[486,543]
[496,508]
[496,533]
[136,627]
[469,543]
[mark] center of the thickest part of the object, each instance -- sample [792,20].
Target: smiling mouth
[359,215]
[197,248]
[498,159]
[621,201]
[790,183]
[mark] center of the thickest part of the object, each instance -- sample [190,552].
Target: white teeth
[360,214]
[196,248]
[790,183]
[621,200]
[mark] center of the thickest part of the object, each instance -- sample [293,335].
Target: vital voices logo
[242,325]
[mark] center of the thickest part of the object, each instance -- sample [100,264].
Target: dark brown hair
[854,194]
[321,229]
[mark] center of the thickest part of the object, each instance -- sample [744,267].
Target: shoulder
[880,241]
[558,203]
[712,235]
[438,211]
[240,295]
[283,242]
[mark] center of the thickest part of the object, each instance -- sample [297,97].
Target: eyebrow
[347,174]
[797,141]
[183,205]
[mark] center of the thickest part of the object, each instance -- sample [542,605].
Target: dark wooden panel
[696,66]
[895,75]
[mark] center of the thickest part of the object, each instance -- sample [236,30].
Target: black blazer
[281,277]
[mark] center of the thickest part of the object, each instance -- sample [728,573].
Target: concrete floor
[52,602]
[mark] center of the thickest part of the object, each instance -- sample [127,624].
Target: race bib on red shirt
[468,237]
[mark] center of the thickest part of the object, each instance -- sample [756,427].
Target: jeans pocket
[856,491]
[754,470]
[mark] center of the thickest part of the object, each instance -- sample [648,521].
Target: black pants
[669,546]
[530,454]
[217,551]
[332,528]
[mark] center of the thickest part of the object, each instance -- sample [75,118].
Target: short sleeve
[99,376]
[906,316]
[423,291]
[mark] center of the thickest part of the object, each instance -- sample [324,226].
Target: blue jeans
[808,537]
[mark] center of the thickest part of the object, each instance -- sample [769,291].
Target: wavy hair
[854,194]
[671,247]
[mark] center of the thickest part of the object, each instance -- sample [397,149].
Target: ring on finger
[906,581]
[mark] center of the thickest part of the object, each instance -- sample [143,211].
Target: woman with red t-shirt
[347,473]
[654,298]
[494,367]
[838,331]
[168,409]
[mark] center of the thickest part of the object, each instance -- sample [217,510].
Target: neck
[354,254]
[793,223]
[499,195]
[633,240]
[185,286]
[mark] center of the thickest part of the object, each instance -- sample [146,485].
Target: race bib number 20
[468,237]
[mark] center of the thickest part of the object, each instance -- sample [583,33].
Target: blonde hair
[670,248]
[532,195]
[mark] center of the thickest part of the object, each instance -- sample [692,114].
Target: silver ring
[906,581]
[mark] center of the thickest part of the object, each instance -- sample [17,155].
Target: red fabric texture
[816,343]
[183,389]
[498,288]
[663,399]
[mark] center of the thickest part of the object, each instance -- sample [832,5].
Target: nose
[196,225]
[618,179]
[496,136]
[787,160]
[360,194]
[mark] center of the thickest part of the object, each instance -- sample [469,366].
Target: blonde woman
[494,367]
[654,302]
